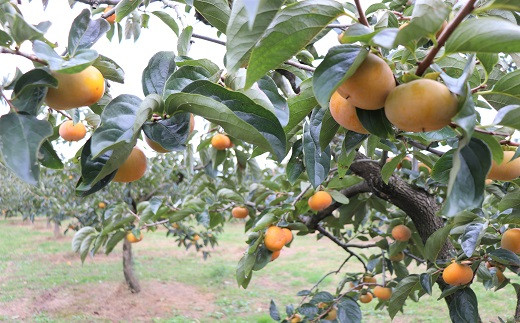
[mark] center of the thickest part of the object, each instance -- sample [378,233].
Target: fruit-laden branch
[313,221]
[446,33]
[362,18]
[19,53]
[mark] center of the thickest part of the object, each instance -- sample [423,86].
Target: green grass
[32,263]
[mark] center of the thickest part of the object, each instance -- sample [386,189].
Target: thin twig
[210,39]
[362,18]
[420,146]
[19,53]
[302,193]
[341,244]
[62,113]
[446,33]
[301,66]
[9,103]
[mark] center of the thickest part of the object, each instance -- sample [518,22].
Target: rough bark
[128,268]
[57,230]
[418,204]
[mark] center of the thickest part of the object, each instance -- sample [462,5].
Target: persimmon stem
[446,33]
[362,18]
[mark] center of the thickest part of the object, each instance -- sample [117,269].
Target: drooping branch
[446,33]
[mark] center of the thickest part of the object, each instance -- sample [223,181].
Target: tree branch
[19,53]
[420,146]
[333,238]
[446,33]
[362,18]
[301,66]
[210,39]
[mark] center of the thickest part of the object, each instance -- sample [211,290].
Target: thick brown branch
[446,33]
[362,18]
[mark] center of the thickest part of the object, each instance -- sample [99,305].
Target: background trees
[417,74]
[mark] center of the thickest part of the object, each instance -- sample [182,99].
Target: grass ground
[41,280]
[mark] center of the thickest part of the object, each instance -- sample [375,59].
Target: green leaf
[471,237]
[329,127]
[512,5]
[508,116]
[21,30]
[273,311]
[300,105]
[427,18]
[184,42]
[289,32]
[262,120]
[171,134]
[505,257]
[317,162]
[243,32]
[158,70]
[80,236]
[5,39]
[375,122]
[21,137]
[471,164]
[506,91]
[278,102]
[92,167]
[488,61]
[338,65]
[48,156]
[426,282]
[401,292]
[338,197]
[168,20]
[84,32]
[485,35]
[81,60]
[349,311]
[183,77]
[464,306]
[125,7]
[357,32]
[114,240]
[389,167]
[435,242]
[215,11]
[295,166]
[510,200]
[208,65]
[110,70]
[121,122]
[441,169]
[493,145]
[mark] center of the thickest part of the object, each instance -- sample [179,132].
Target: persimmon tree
[414,170]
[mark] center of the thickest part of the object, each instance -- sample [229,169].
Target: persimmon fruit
[132,238]
[366,298]
[320,200]
[345,114]
[511,240]
[401,233]
[457,274]
[287,234]
[239,212]
[397,257]
[507,170]
[383,293]
[72,132]
[112,18]
[102,205]
[220,141]
[76,90]
[421,105]
[274,239]
[133,168]
[370,84]
[275,255]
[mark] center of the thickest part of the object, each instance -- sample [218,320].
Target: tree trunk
[57,230]
[128,268]
[418,204]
